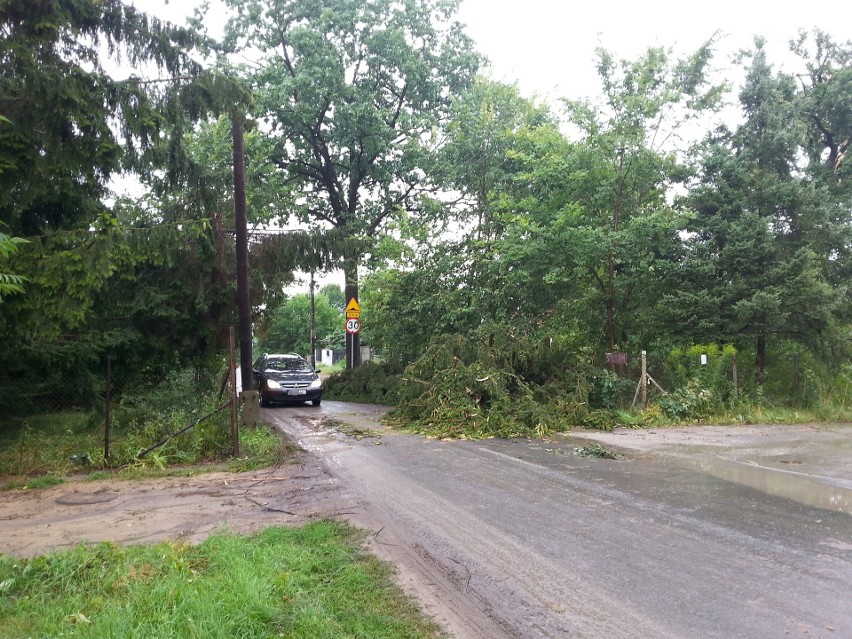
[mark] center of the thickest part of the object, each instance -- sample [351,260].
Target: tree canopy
[474,214]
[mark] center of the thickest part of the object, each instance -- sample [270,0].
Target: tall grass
[40,450]
[309,583]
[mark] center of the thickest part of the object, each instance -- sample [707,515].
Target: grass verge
[303,583]
[42,450]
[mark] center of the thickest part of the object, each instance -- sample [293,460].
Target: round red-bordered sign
[353,326]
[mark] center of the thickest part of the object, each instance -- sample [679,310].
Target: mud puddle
[795,486]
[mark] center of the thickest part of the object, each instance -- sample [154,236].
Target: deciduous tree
[352,92]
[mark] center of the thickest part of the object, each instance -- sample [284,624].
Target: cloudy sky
[547,46]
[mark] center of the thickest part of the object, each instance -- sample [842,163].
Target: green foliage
[351,93]
[42,446]
[496,384]
[9,283]
[66,116]
[68,442]
[289,328]
[145,294]
[149,413]
[602,419]
[689,402]
[370,383]
[768,234]
[595,450]
[261,447]
[303,583]
[608,389]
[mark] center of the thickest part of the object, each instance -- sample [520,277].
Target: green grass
[308,583]
[44,444]
[38,452]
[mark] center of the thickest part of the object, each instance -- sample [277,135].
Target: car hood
[288,376]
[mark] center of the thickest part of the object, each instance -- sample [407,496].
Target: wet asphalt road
[522,538]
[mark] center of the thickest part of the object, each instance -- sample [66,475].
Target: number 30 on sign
[353,326]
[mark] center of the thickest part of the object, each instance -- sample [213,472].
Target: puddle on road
[797,487]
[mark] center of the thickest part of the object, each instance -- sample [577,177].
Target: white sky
[547,46]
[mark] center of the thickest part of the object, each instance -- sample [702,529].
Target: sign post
[353,327]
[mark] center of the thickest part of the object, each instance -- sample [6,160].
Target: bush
[371,383]
[493,384]
[689,402]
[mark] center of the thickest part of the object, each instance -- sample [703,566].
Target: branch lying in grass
[166,440]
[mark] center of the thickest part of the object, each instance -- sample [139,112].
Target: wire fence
[118,413]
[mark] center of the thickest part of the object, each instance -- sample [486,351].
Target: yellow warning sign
[353,310]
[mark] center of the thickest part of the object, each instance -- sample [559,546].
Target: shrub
[371,383]
[493,384]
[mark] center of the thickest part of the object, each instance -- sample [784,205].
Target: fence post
[235,429]
[107,402]
[644,381]
[734,375]
[797,377]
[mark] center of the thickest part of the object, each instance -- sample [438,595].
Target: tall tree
[751,272]
[69,126]
[71,121]
[351,92]
[620,175]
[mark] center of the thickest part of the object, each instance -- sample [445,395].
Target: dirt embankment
[189,508]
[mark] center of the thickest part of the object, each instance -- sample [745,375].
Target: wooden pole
[734,375]
[107,402]
[235,429]
[644,381]
[313,357]
[241,228]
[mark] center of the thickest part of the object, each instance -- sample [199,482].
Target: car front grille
[294,384]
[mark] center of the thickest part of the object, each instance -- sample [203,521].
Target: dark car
[286,378]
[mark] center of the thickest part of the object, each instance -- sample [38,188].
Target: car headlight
[273,385]
[317,383]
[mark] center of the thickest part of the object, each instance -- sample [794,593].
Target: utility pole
[241,226]
[313,324]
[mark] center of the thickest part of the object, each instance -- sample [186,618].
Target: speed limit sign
[353,326]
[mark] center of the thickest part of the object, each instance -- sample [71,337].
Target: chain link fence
[115,414]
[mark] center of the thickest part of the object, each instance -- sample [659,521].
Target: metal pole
[235,429]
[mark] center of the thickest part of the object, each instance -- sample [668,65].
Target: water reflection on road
[799,487]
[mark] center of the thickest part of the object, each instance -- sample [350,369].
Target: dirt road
[699,532]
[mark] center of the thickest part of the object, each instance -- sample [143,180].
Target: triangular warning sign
[352,307]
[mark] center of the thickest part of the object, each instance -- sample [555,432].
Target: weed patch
[595,450]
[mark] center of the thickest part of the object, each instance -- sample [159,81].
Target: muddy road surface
[696,532]
[699,532]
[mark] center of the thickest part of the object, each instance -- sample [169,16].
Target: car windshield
[288,365]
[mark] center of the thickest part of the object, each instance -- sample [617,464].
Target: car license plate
[296,392]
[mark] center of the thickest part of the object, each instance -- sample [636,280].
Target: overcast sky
[547,46]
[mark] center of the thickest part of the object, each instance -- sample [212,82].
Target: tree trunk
[760,360]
